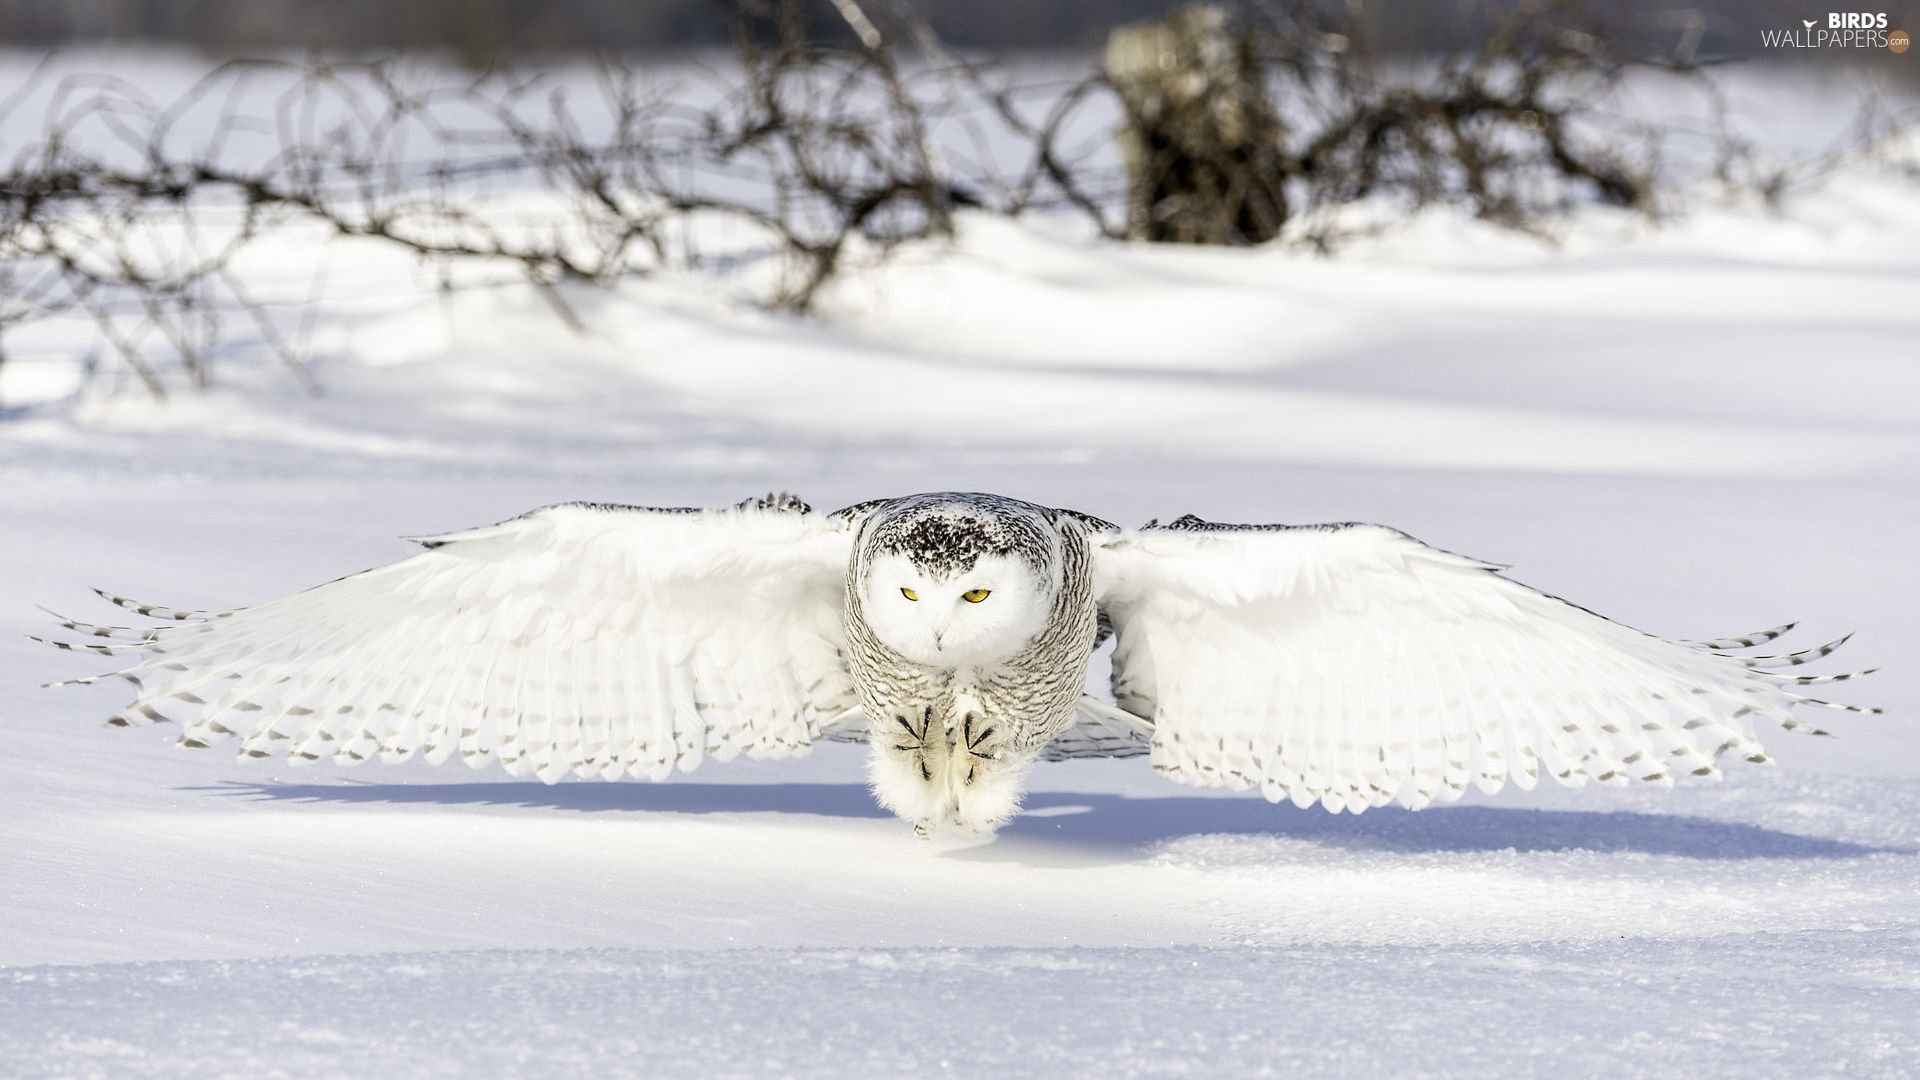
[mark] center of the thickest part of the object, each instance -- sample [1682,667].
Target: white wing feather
[1354,666]
[586,639]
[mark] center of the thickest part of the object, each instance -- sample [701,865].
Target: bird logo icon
[1808,23]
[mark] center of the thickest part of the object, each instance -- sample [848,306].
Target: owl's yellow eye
[974,596]
[909,594]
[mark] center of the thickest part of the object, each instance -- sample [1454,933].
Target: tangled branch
[804,157]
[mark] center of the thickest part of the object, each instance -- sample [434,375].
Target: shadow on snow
[1110,820]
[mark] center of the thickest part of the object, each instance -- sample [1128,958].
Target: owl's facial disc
[955,615]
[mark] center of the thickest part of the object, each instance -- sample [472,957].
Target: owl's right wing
[585,638]
[1352,665]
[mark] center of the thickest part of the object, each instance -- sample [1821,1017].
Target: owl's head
[945,599]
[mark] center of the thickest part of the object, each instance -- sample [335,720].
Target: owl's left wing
[584,638]
[1352,665]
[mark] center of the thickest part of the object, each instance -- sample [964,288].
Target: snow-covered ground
[1700,430]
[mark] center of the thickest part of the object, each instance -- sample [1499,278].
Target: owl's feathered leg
[907,767]
[987,784]
[940,774]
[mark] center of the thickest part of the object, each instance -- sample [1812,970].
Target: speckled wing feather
[1100,730]
[1352,665]
[584,638]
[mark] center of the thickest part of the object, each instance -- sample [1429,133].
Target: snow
[1703,429]
[1748,1004]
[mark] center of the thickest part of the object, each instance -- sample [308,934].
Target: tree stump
[1200,138]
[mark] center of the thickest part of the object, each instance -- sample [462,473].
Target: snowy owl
[1347,665]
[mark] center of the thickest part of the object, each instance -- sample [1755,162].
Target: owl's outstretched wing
[584,638]
[1352,665]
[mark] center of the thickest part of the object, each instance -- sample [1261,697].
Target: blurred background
[478,31]
[770,147]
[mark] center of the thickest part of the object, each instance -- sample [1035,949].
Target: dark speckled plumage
[1030,697]
[945,533]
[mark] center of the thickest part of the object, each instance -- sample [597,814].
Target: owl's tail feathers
[1101,729]
[1112,717]
[850,725]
